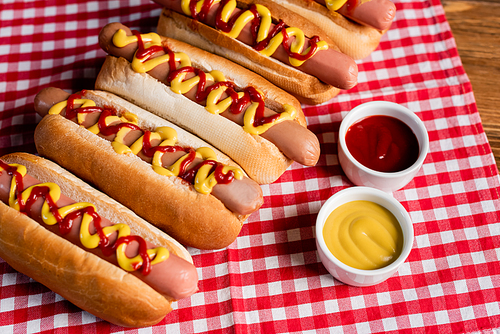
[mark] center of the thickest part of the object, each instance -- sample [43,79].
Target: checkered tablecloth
[270,280]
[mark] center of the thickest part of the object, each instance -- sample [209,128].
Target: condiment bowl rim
[352,117]
[359,191]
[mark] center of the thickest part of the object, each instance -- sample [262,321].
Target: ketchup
[66,223]
[227,27]
[238,104]
[382,143]
[149,151]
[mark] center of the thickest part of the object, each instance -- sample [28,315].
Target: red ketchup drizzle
[12,171]
[219,23]
[219,175]
[105,130]
[313,43]
[186,162]
[204,9]
[142,52]
[265,42]
[149,151]
[71,111]
[66,223]
[108,130]
[255,24]
[382,143]
[143,249]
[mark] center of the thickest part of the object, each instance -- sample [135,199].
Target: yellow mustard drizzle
[120,39]
[178,85]
[88,240]
[249,117]
[204,182]
[265,26]
[334,5]
[13,203]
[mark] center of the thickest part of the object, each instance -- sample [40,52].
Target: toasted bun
[170,203]
[307,88]
[84,279]
[261,159]
[353,39]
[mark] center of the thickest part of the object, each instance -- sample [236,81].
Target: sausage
[239,196]
[329,66]
[295,141]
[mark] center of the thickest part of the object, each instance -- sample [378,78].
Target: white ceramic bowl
[354,276]
[361,175]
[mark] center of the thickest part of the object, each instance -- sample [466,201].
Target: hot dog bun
[84,279]
[262,160]
[168,202]
[353,39]
[308,89]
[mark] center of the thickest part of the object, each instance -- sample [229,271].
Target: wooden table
[476,28]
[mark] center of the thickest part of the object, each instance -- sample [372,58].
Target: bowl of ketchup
[382,145]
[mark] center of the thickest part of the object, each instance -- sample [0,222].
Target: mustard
[204,181]
[363,235]
[263,31]
[179,85]
[334,5]
[52,216]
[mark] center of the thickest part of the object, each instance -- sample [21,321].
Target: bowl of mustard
[363,235]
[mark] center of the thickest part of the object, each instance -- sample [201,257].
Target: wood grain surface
[475,25]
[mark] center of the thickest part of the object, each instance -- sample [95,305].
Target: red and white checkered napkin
[270,279]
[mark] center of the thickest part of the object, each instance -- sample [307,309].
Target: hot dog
[261,36]
[163,173]
[264,146]
[355,26]
[88,248]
